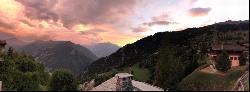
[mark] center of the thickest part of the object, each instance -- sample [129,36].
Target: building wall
[124,84]
[233,58]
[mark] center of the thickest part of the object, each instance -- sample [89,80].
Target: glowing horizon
[120,22]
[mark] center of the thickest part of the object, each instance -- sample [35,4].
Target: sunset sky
[117,21]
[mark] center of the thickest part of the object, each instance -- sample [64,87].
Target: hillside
[20,72]
[169,56]
[16,43]
[12,40]
[60,54]
[103,49]
[203,81]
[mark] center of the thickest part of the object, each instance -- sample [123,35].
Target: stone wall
[0,85]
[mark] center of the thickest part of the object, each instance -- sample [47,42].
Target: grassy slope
[211,82]
[140,74]
[246,85]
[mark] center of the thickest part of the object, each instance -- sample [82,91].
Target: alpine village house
[234,51]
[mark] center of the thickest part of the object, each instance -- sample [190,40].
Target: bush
[27,66]
[21,73]
[63,80]
[222,62]
[243,59]
[170,68]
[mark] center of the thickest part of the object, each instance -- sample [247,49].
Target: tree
[27,66]
[170,68]
[243,59]
[26,81]
[22,73]
[63,80]
[10,52]
[223,62]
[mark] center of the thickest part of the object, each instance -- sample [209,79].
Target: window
[123,79]
[214,57]
[231,58]
[235,58]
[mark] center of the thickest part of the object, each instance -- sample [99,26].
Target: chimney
[222,47]
[124,82]
[130,69]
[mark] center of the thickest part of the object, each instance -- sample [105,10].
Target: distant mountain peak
[103,49]
[15,42]
[60,54]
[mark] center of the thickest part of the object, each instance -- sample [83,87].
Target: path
[239,84]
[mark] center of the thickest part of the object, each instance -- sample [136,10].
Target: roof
[145,87]
[123,75]
[245,45]
[231,47]
[110,85]
[3,42]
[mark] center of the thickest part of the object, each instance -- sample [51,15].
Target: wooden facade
[234,52]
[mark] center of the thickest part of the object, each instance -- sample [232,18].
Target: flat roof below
[110,85]
[123,75]
[145,87]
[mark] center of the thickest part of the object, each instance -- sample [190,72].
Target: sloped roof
[145,87]
[227,47]
[110,85]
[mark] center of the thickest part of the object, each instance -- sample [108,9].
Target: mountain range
[165,58]
[60,54]
[103,49]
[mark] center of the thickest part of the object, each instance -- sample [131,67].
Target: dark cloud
[145,26]
[93,32]
[72,12]
[4,35]
[89,33]
[6,25]
[161,17]
[140,29]
[27,23]
[157,23]
[199,11]
[40,9]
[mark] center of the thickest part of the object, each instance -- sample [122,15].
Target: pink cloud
[196,12]
[141,29]
[54,20]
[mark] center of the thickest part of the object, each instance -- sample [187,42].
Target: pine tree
[170,68]
[223,62]
[243,59]
[10,52]
[63,80]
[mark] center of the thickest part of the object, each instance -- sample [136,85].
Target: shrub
[63,80]
[243,59]
[223,63]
